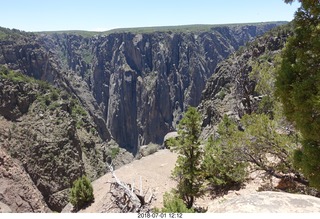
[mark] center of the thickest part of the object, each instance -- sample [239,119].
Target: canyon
[72,100]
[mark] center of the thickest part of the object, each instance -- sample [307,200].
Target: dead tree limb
[126,197]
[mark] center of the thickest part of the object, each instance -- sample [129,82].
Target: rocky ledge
[269,202]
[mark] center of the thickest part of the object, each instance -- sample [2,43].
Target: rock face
[231,91]
[46,142]
[17,191]
[134,85]
[269,202]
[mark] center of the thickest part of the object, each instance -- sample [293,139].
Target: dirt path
[154,170]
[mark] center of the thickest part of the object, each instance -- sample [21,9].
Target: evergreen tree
[298,86]
[188,170]
[224,167]
[264,138]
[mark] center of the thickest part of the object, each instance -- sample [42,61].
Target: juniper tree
[223,164]
[81,192]
[188,170]
[298,86]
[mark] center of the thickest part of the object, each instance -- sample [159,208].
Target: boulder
[169,136]
[5,208]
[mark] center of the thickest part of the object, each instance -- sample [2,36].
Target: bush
[114,152]
[81,192]
[173,204]
[54,95]
[223,168]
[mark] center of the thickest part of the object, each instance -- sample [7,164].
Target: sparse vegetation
[262,140]
[15,76]
[179,29]
[143,30]
[11,34]
[114,152]
[78,113]
[76,109]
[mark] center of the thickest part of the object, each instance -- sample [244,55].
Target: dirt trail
[154,170]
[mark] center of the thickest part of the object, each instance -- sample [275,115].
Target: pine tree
[298,86]
[188,171]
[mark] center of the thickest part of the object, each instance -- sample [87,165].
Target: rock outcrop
[135,85]
[47,141]
[17,191]
[269,202]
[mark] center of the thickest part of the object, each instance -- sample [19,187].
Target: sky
[102,15]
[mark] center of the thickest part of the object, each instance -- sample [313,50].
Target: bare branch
[125,195]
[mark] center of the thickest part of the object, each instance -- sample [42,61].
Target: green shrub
[81,192]
[173,204]
[222,165]
[54,95]
[76,109]
[53,106]
[114,152]
[221,94]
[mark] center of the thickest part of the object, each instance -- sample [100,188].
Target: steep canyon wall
[135,85]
